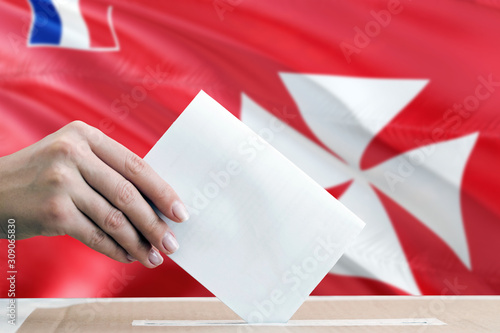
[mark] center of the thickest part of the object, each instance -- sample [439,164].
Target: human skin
[81,183]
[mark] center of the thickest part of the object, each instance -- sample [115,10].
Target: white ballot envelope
[261,233]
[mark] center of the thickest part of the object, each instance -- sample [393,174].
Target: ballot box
[317,314]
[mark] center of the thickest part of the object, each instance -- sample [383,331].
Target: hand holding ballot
[79,182]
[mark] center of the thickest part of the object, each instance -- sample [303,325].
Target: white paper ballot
[261,233]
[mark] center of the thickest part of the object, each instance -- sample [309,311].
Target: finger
[115,224]
[133,168]
[126,198]
[91,235]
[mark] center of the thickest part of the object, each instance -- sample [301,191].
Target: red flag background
[416,82]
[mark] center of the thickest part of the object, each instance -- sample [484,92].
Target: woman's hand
[79,182]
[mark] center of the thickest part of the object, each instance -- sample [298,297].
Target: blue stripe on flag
[47,27]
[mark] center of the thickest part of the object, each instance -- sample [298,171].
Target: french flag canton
[63,23]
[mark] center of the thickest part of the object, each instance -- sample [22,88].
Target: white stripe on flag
[75,33]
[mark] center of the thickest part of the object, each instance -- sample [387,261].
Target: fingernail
[170,243]
[155,258]
[180,211]
[130,258]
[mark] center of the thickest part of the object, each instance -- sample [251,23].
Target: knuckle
[55,210]
[114,220]
[152,225]
[67,147]
[164,193]
[57,176]
[62,146]
[77,126]
[126,193]
[84,131]
[97,238]
[134,164]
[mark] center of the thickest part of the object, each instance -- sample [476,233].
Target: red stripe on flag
[95,15]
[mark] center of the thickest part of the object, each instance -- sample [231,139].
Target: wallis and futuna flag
[393,106]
